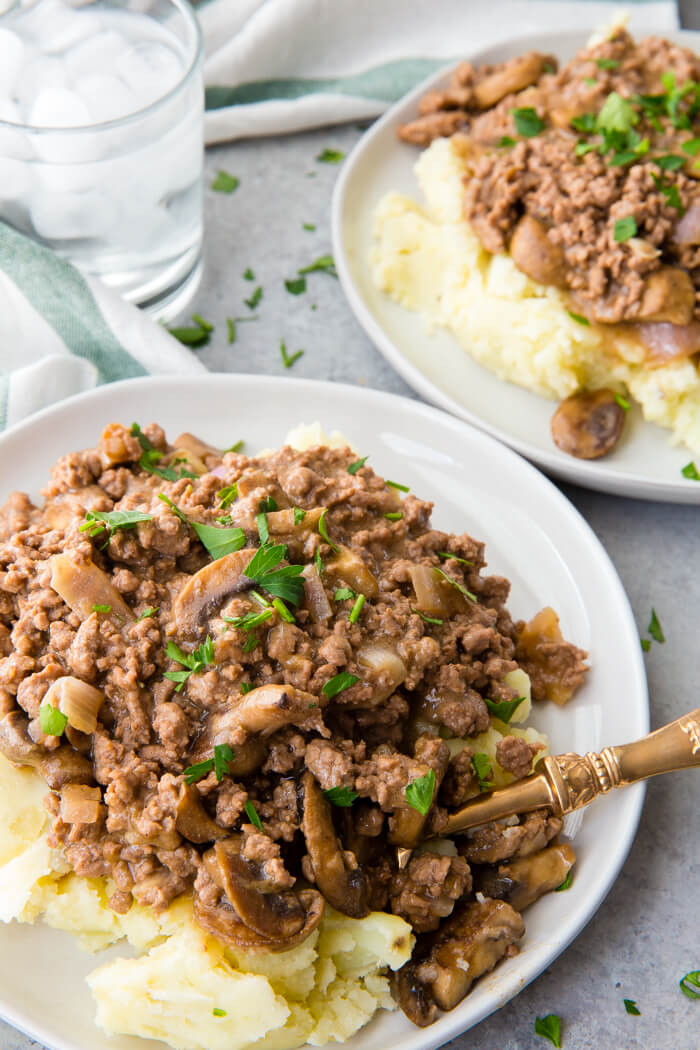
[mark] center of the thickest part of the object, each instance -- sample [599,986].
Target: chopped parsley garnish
[590,81]
[607,63]
[281,583]
[585,123]
[446,555]
[419,793]
[289,359]
[318,562]
[330,156]
[670,192]
[102,608]
[582,148]
[225,183]
[625,228]
[340,796]
[631,1007]
[481,764]
[299,515]
[357,465]
[246,687]
[231,328]
[617,114]
[323,531]
[646,644]
[250,621]
[578,318]
[51,720]
[254,299]
[691,146]
[504,709]
[356,609]
[394,515]
[147,613]
[458,586]
[398,485]
[549,1027]
[324,264]
[654,628]
[99,520]
[252,814]
[622,402]
[343,594]
[237,446]
[195,335]
[297,286]
[263,530]
[688,982]
[150,457]
[218,541]
[527,122]
[268,503]
[218,1012]
[339,683]
[283,611]
[506,140]
[195,662]
[669,162]
[566,884]
[227,495]
[219,763]
[428,619]
[309,226]
[248,274]
[690,471]
[251,644]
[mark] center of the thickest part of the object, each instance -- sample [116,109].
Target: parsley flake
[252,814]
[419,793]
[691,146]
[195,335]
[607,63]
[283,611]
[237,446]
[448,554]
[225,183]
[218,1012]
[585,123]
[99,521]
[631,1007]
[263,530]
[566,884]
[481,764]
[617,114]
[356,609]
[222,756]
[281,583]
[669,162]
[688,980]
[289,359]
[249,621]
[147,613]
[218,541]
[102,608]
[195,662]
[296,286]
[357,465]
[457,586]
[324,264]
[506,141]
[504,709]
[323,531]
[299,515]
[654,628]
[428,619]
[330,156]
[527,122]
[343,594]
[227,495]
[339,683]
[309,226]
[254,299]
[246,687]
[646,644]
[579,318]
[51,720]
[690,471]
[549,1027]
[200,769]
[622,402]
[625,228]
[398,485]
[341,796]
[248,274]
[394,515]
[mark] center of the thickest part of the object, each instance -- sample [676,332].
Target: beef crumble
[204,731]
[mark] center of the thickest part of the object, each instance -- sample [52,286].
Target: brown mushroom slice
[65,507]
[77,700]
[184,457]
[65,766]
[516,74]
[467,945]
[82,585]
[669,295]
[348,566]
[15,741]
[200,449]
[257,479]
[344,888]
[413,997]
[208,588]
[271,707]
[536,255]
[406,824]
[588,425]
[80,804]
[281,522]
[526,879]
[273,914]
[192,820]
[221,920]
[316,599]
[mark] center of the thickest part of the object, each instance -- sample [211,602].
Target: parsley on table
[481,764]
[654,628]
[631,1007]
[289,359]
[625,228]
[195,662]
[324,264]
[504,709]
[341,796]
[428,619]
[147,613]
[99,520]
[51,720]
[218,541]
[296,286]
[419,793]
[195,335]
[280,582]
[231,329]
[330,156]
[354,467]
[339,683]
[646,644]
[254,299]
[688,982]
[549,1027]
[566,884]
[690,471]
[252,814]
[248,275]
[225,182]
[458,586]
[309,226]
[223,755]
[579,318]
[527,122]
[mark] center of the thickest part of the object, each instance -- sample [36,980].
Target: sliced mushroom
[516,74]
[65,507]
[77,700]
[257,479]
[413,997]
[669,295]
[344,887]
[281,522]
[588,425]
[208,588]
[221,920]
[80,804]
[270,707]
[536,255]
[58,768]
[192,820]
[348,566]
[316,598]
[82,585]
[181,456]
[406,824]
[525,880]
[196,446]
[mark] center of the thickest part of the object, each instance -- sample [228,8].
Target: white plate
[534,537]
[434,364]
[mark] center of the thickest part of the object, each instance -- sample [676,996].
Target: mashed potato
[429,260]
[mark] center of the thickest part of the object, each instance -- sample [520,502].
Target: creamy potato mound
[429,260]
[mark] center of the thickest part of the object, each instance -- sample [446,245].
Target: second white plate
[643,465]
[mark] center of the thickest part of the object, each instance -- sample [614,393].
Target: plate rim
[449,1025]
[589,474]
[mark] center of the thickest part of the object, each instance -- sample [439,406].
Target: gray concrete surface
[646,934]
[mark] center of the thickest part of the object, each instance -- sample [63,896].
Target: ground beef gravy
[254,748]
[589,176]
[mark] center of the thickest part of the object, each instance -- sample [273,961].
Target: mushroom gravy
[252,679]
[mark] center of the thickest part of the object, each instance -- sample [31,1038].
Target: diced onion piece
[664,342]
[77,700]
[82,585]
[433,594]
[80,804]
[316,599]
[687,230]
[192,443]
[350,567]
[520,681]
[383,660]
[281,522]
[185,457]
